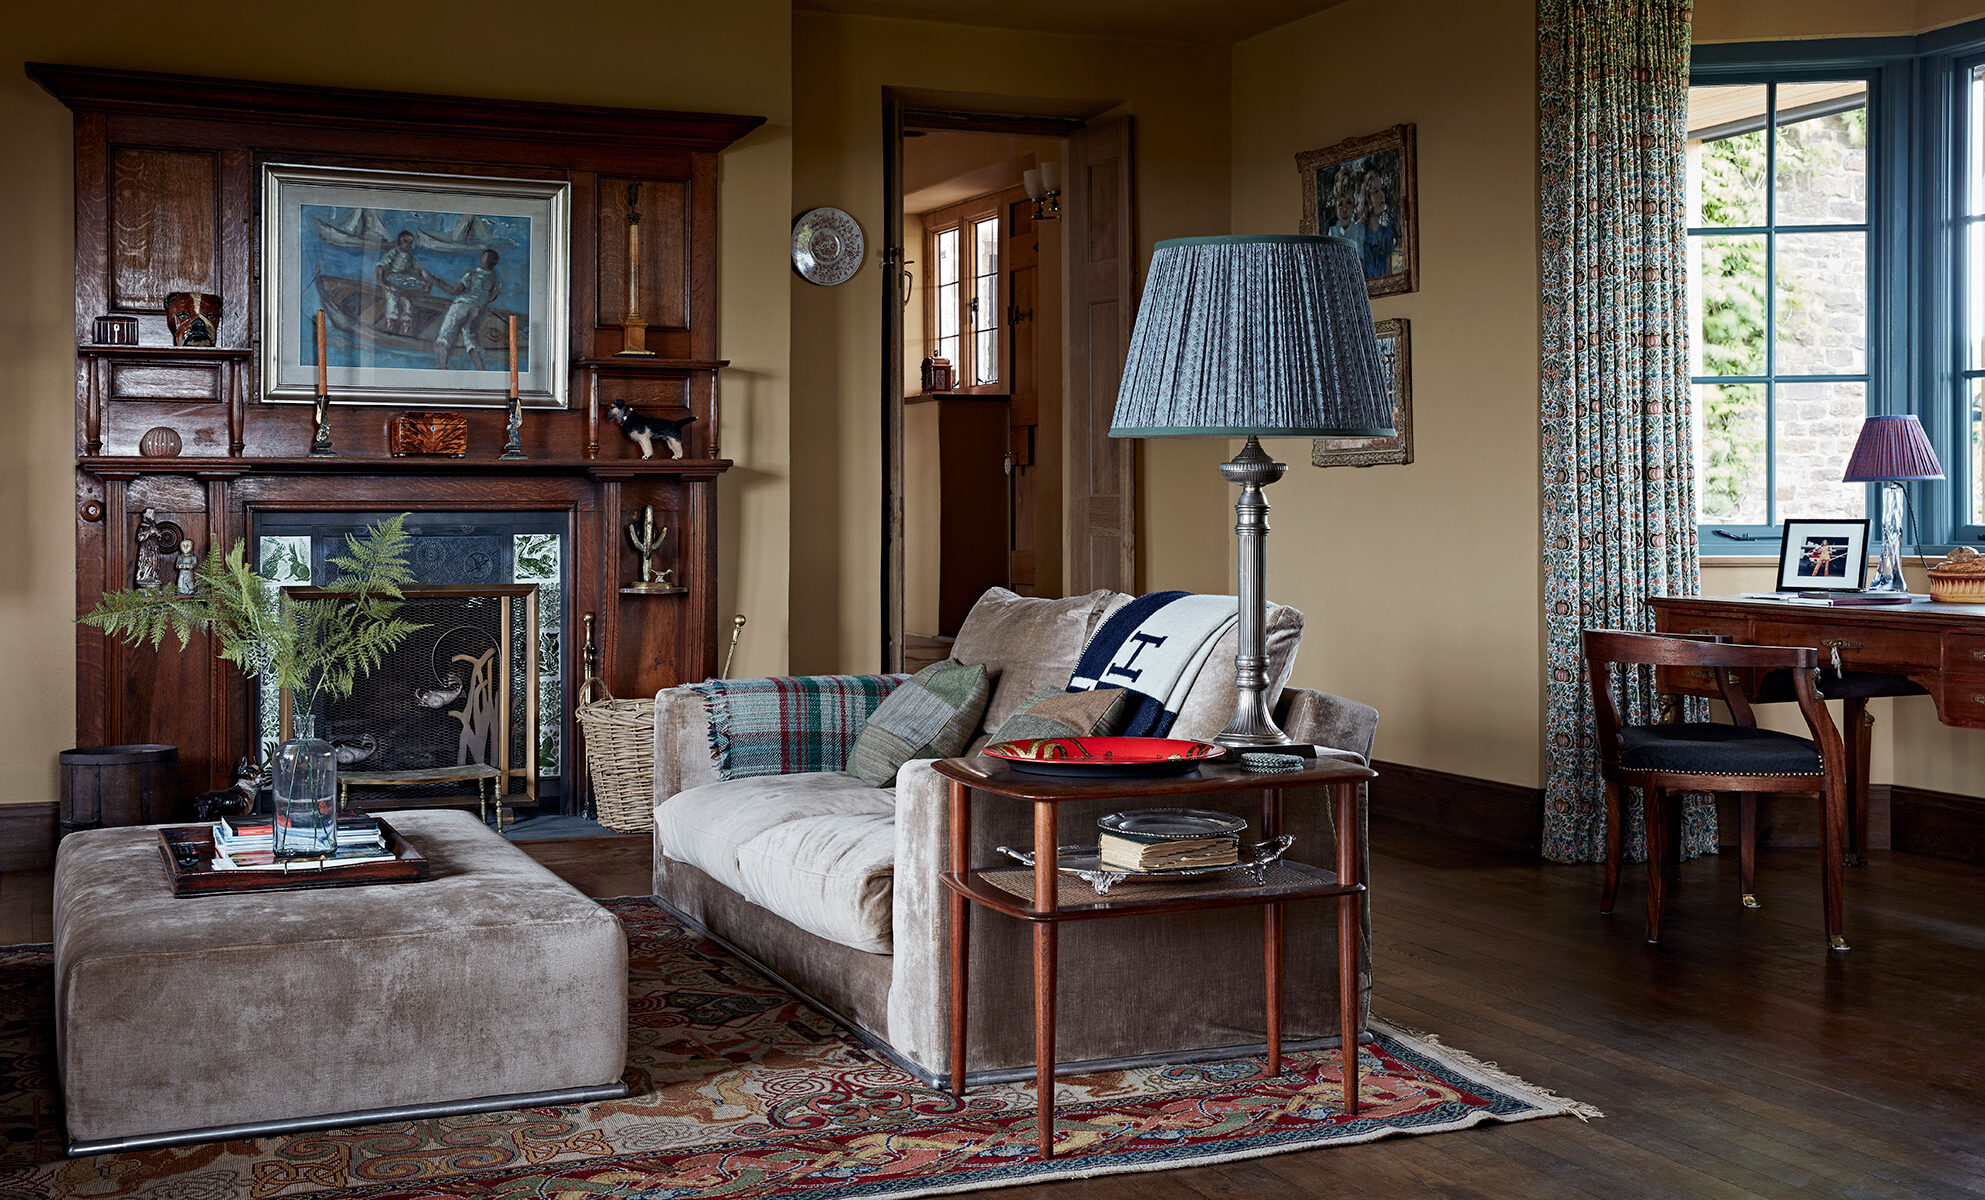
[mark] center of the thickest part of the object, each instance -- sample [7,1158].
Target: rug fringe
[1495,1074]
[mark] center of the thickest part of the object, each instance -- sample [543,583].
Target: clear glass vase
[306,793]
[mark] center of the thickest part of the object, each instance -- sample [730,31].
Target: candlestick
[320,438]
[633,329]
[513,442]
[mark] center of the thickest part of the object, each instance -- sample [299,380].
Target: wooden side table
[1045,910]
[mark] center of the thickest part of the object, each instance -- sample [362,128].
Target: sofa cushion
[707,826]
[832,875]
[1027,643]
[1055,712]
[931,715]
[1209,704]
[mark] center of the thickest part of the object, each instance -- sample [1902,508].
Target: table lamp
[1889,450]
[1253,337]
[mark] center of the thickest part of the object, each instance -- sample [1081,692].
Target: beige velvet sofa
[832,885]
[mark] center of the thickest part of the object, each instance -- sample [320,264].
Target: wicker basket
[620,756]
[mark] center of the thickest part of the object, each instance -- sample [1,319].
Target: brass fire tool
[737,627]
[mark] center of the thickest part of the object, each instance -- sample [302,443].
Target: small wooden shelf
[1317,883]
[614,362]
[108,350]
[599,468]
[641,591]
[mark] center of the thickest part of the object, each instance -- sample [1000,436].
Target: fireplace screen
[461,691]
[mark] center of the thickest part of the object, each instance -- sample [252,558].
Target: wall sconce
[1043,185]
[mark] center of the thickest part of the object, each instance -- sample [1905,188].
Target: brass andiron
[646,540]
[737,627]
[634,330]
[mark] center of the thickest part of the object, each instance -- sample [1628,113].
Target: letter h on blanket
[1154,648]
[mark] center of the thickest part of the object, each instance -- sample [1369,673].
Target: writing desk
[1940,648]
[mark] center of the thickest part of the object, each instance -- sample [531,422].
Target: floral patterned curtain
[1618,474]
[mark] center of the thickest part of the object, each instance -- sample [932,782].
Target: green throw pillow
[932,714]
[1055,712]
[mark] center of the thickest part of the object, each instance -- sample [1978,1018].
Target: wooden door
[893,299]
[1100,491]
[1020,271]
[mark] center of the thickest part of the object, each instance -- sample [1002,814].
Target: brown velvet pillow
[1056,712]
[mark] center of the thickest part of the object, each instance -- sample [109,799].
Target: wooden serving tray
[201,879]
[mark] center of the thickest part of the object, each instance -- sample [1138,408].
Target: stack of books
[1146,852]
[249,843]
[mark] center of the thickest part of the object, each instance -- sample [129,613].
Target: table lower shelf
[1010,890]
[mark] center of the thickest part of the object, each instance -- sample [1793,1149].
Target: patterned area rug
[741,1091]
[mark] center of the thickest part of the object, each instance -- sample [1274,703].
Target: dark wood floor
[1737,1059]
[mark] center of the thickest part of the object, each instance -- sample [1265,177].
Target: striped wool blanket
[1154,648]
[789,724]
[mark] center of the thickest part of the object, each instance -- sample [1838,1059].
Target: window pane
[1726,304]
[1817,426]
[1822,304]
[1973,269]
[1726,155]
[1822,153]
[985,255]
[985,356]
[1974,170]
[1730,454]
[1974,418]
[947,256]
[947,311]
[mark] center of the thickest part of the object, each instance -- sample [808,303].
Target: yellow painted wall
[1178,95]
[1421,582]
[733,57]
[1777,20]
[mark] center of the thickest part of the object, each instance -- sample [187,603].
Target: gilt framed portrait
[1365,191]
[1395,356]
[419,278]
[1823,556]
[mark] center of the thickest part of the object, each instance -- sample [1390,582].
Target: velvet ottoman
[493,984]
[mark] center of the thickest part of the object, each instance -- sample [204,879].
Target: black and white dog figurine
[645,431]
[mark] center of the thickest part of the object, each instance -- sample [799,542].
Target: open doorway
[982,378]
[1006,314]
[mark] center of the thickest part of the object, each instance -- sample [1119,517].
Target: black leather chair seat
[1713,749]
[1776,686]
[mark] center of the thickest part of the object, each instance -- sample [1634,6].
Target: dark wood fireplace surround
[167,188]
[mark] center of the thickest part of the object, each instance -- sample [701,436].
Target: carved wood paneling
[165,226]
[664,276]
[167,199]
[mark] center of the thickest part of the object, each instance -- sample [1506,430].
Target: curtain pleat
[1618,468]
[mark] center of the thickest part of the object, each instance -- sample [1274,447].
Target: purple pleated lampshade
[1892,448]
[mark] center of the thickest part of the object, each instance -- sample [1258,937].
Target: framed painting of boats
[418,277]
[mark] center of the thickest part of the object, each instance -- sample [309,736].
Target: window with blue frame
[1837,269]
[1779,235]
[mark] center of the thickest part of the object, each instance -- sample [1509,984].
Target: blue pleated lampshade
[1892,448]
[1254,336]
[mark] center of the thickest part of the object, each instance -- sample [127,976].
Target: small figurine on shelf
[186,564]
[155,541]
[647,539]
[194,318]
[644,431]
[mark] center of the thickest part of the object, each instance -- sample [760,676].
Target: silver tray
[1170,824]
[1087,862]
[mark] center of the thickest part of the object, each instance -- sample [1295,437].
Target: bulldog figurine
[194,318]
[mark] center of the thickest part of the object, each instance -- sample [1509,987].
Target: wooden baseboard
[1505,815]
[1938,824]
[1794,820]
[28,835]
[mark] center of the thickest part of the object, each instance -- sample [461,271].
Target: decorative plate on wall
[827,246]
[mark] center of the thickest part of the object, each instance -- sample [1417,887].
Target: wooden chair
[1713,757]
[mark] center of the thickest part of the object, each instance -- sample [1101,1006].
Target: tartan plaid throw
[789,724]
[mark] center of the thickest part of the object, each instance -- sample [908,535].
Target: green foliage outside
[318,649]
[1734,296]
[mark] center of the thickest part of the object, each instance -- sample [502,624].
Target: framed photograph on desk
[1823,556]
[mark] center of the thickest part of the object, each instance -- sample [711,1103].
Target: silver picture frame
[327,239]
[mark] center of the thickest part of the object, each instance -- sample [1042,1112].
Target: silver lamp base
[1252,727]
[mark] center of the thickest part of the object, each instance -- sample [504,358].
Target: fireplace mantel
[168,195]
